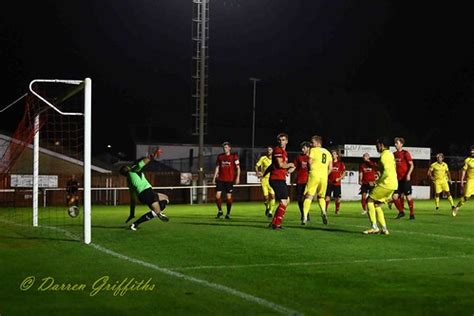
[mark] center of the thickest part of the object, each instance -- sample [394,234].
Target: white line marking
[254,299]
[264,265]
[414,233]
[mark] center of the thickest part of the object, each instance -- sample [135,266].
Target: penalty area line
[321,263]
[245,296]
[215,286]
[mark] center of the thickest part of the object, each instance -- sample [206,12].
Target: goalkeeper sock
[144,218]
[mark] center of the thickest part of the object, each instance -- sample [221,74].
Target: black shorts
[224,186]
[366,188]
[334,190]
[404,187]
[280,188]
[148,197]
[300,187]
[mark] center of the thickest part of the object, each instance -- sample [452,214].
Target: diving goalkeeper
[141,189]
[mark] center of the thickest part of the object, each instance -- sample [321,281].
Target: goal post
[85,85]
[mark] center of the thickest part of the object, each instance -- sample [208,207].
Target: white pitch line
[414,233]
[248,297]
[242,295]
[264,265]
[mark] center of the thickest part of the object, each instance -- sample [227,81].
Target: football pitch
[198,265]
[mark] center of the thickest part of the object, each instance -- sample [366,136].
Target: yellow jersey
[439,171]
[319,161]
[469,167]
[388,179]
[263,163]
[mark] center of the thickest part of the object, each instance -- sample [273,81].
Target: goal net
[45,169]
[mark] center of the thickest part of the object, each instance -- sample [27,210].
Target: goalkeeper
[141,189]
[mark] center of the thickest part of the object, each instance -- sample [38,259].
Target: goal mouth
[51,145]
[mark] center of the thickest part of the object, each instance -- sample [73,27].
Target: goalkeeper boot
[163,217]
[133,227]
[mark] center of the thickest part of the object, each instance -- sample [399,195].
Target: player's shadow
[232,223]
[325,228]
[117,227]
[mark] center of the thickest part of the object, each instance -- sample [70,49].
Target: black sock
[144,218]
[300,205]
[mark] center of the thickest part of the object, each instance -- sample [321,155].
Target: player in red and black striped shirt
[301,164]
[280,168]
[405,166]
[227,171]
[334,180]
[367,177]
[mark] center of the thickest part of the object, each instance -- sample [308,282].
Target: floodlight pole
[253,118]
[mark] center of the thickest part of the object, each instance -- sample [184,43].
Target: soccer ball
[73,211]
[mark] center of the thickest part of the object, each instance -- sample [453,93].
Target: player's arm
[257,168]
[216,172]
[237,178]
[361,175]
[343,172]
[448,173]
[463,174]
[430,173]
[329,167]
[410,169]
[284,165]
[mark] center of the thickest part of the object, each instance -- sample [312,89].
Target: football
[73,211]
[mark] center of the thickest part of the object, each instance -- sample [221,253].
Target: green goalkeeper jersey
[136,179]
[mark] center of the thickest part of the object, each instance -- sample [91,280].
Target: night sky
[348,70]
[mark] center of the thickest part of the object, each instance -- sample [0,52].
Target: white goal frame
[87,86]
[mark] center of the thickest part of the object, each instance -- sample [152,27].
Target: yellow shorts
[469,188]
[266,188]
[441,186]
[316,186]
[381,194]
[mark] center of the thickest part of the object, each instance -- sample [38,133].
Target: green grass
[425,267]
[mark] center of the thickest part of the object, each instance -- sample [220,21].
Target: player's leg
[266,199]
[337,200]
[281,194]
[445,188]
[377,196]
[411,203]
[328,194]
[156,206]
[468,192]
[219,189]
[396,200]
[309,192]
[363,200]
[228,201]
[321,191]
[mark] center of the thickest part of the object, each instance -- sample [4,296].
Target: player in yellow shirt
[384,188]
[439,174]
[320,165]
[467,169]
[268,194]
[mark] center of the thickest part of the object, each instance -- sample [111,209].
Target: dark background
[348,70]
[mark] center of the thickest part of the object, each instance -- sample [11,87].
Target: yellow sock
[437,201]
[451,201]
[306,206]
[380,216]
[371,208]
[272,204]
[461,201]
[322,204]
